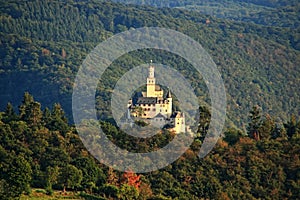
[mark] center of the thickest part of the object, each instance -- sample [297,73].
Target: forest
[40,150]
[283,13]
[42,46]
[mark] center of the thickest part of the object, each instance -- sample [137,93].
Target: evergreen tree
[292,127]
[92,175]
[255,123]
[27,100]
[15,176]
[267,127]
[58,120]
[204,121]
[9,114]
[47,117]
[30,111]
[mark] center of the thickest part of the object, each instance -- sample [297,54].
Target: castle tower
[169,103]
[151,83]
[179,122]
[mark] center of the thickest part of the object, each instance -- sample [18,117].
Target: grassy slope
[40,194]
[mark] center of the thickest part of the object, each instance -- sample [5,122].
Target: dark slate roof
[176,114]
[147,100]
[159,115]
[169,94]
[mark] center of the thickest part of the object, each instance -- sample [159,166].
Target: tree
[204,121]
[46,117]
[267,127]
[112,177]
[91,173]
[131,179]
[145,191]
[9,114]
[279,131]
[255,123]
[34,115]
[20,131]
[232,136]
[128,192]
[27,100]
[58,120]
[292,127]
[69,177]
[7,138]
[109,191]
[30,111]
[54,156]
[52,174]
[15,175]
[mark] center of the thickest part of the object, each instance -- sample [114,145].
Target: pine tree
[58,120]
[9,114]
[204,121]
[254,123]
[30,111]
[27,100]
[291,126]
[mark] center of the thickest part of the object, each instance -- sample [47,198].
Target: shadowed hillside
[51,38]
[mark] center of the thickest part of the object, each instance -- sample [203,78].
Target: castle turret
[179,122]
[151,83]
[169,103]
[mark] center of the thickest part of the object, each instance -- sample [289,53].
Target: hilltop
[43,44]
[282,13]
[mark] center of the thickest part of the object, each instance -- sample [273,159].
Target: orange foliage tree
[131,179]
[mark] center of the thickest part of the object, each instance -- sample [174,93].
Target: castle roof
[147,100]
[157,88]
[169,94]
[177,114]
[159,115]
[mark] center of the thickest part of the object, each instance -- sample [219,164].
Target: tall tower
[169,104]
[151,82]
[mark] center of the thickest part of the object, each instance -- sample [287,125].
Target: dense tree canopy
[43,43]
[240,166]
[281,13]
[42,46]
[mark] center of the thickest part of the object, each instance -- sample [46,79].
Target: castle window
[153,109]
[149,104]
[166,110]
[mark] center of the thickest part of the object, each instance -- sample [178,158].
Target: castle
[155,108]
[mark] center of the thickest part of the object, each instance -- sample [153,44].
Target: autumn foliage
[131,179]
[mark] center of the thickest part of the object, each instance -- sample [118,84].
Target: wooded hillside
[43,43]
